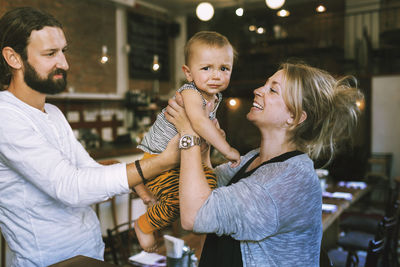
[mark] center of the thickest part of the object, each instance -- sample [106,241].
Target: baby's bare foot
[146,241]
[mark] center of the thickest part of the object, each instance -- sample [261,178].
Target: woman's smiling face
[269,109]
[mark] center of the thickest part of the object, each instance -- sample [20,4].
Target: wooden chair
[122,238]
[376,250]
[357,236]
[113,207]
[324,260]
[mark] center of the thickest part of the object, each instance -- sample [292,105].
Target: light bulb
[232,102]
[104,57]
[275,4]
[283,13]
[205,11]
[320,8]
[239,12]
[156,65]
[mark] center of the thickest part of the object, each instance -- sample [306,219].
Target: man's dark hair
[16,27]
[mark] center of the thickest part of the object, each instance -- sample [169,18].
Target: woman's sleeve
[224,171]
[261,205]
[243,210]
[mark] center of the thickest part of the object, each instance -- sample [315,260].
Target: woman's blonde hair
[330,105]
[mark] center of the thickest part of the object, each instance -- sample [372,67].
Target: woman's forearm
[193,187]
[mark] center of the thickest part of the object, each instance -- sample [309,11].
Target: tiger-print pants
[165,188]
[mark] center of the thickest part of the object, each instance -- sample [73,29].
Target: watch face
[186,141]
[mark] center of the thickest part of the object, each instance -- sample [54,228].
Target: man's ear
[187,73]
[12,58]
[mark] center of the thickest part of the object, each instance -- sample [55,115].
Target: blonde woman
[267,211]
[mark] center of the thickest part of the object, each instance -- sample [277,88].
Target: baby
[208,66]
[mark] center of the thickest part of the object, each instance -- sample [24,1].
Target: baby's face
[210,68]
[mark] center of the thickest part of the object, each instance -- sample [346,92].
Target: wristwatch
[188,141]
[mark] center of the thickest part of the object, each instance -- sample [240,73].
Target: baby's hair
[210,38]
[330,105]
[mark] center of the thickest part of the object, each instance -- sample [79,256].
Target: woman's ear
[187,73]
[303,117]
[12,58]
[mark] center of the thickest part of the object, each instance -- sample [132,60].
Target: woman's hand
[171,154]
[175,113]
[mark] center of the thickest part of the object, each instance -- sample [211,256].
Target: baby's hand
[234,157]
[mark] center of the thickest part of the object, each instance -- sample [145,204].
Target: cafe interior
[126,60]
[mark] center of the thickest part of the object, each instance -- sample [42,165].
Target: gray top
[275,213]
[162,131]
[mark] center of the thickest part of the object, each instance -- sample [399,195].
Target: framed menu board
[148,36]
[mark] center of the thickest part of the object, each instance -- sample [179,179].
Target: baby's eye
[224,68]
[272,90]
[205,68]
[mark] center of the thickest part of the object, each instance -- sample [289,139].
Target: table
[342,204]
[82,261]
[330,221]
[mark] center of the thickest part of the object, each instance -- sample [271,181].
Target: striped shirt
[162,131]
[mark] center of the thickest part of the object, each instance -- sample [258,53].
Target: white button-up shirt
[47,184]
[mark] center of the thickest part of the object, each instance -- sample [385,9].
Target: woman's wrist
[188,131]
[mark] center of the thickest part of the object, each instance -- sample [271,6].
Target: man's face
[49,85]
[46,66]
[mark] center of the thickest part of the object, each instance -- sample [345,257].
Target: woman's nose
[258,91]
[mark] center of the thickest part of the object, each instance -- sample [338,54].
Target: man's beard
[47,86]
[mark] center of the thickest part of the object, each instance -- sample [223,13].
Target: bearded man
[48,181]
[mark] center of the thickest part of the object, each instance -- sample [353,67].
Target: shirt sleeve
[83,158]
[224,171]
[27,151]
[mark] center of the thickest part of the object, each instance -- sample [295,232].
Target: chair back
[122,238]
[375,253]
[123,242]
[324,260]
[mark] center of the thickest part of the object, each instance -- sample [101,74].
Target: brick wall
[88,25]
